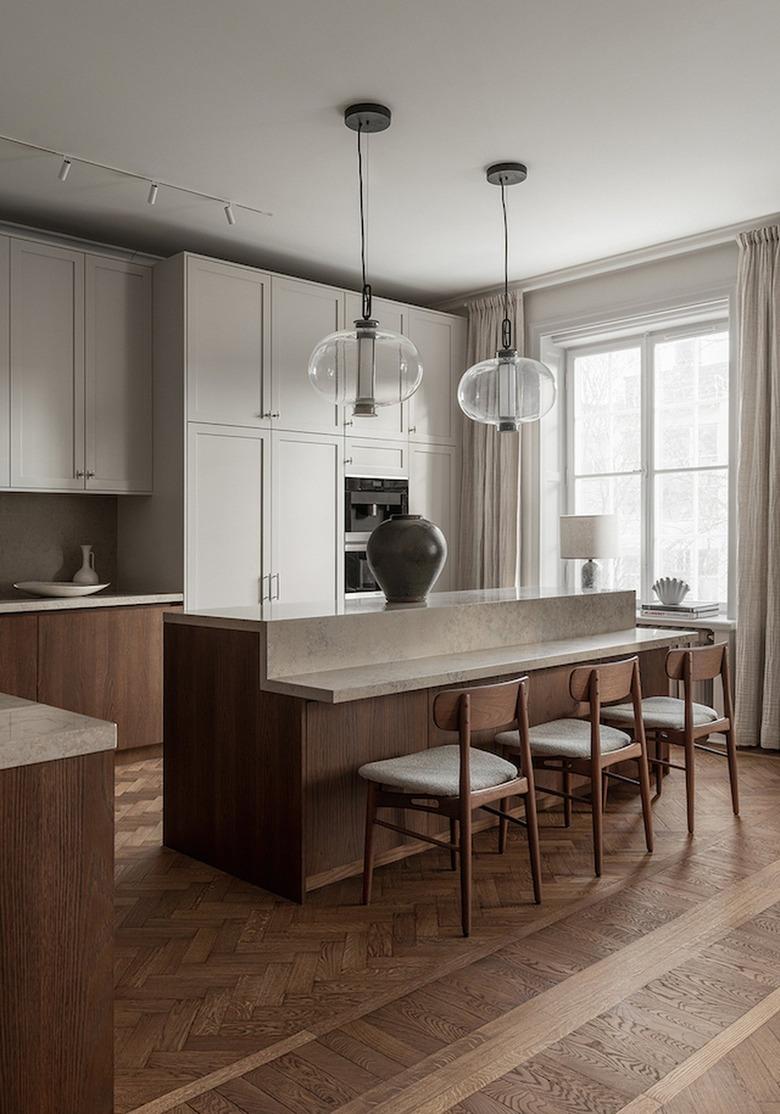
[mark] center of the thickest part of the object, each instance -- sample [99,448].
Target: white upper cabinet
[307,535]
[433,492]
[302,313]
[118,355]
[390,421]
[47,367]
[227,516]
[228,372]
[433,408]
[5,372]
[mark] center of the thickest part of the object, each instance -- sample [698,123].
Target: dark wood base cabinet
[56,895]
[104,662]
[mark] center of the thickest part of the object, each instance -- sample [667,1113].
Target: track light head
[152,195]
[64,170]
[231,216]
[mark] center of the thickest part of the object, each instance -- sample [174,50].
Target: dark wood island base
[264,785]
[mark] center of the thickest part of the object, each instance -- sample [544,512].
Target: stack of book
[692,609]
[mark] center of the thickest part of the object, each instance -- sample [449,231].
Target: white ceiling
[640,121]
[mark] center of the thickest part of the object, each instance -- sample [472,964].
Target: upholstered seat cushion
[569,738]
[437,771]
[659,712]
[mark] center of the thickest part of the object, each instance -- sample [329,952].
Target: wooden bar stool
[589,748]
[453,780]
[685,723]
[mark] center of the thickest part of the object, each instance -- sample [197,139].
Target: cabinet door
[390,421]
[227,511]
[302,313]
[107,663]
[363,457]
[19,656]
[433,493]
[5,378]
[433,408]
[118,357]
[47,367]
[307,535]
[227,343]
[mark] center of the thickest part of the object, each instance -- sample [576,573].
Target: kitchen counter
[19,602]
[336,686]
[31,733]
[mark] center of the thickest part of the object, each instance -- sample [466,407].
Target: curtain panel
[757,673]
[490,465]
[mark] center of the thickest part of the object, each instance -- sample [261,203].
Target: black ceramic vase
[406,554]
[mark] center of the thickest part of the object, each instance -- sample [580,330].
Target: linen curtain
[490,465]
[757,674]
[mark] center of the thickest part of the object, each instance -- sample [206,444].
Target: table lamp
[589,536]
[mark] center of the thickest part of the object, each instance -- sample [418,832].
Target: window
[649,440]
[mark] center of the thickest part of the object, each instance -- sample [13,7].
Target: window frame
[645,340]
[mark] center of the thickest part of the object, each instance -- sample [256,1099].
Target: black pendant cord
[506,324]
[366,286]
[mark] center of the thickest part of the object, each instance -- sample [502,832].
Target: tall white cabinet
[250,492]
[75,369]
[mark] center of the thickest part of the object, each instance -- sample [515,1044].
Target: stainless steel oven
[357,575]
[369,501]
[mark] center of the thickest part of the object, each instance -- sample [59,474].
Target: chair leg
[368,854]
[465,867]
[532,825]
[604,792]
[731,750]
[453,839]
[690,782]
[566,801]
[644,789]
[503,827]
[660,752]
[598,820]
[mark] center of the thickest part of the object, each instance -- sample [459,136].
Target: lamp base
[591,576]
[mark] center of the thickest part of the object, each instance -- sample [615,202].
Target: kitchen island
[269,712]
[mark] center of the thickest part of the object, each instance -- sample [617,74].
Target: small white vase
[87,573]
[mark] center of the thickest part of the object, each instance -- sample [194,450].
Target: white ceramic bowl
[58,589]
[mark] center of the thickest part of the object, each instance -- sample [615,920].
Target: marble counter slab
[11,605]
[31,733]
[338,686]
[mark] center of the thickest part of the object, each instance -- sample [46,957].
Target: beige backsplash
[40,536]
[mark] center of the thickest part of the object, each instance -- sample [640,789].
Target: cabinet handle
[348,460]
[278,580]
[263,596]
[78,474]
[90,475]
[412,429]
[348,421]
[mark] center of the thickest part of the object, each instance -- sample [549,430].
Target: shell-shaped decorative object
[670,590]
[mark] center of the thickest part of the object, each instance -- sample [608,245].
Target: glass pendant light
[508,390]
[365,366]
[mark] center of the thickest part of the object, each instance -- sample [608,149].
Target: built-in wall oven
[369,501]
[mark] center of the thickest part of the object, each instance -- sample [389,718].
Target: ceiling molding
[685,245]
[97,247]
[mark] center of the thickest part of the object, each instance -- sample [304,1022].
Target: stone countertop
[338,686]
[19,602]
[31,733]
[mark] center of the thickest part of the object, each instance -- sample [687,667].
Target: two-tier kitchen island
[270,711]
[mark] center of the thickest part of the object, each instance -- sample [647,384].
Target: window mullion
[648,467]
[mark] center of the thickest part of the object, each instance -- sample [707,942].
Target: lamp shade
[589,535]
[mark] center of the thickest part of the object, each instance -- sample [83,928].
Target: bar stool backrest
[706,662]
[594,685]
[484,708]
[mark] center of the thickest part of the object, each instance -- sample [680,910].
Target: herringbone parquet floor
[229,1001]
